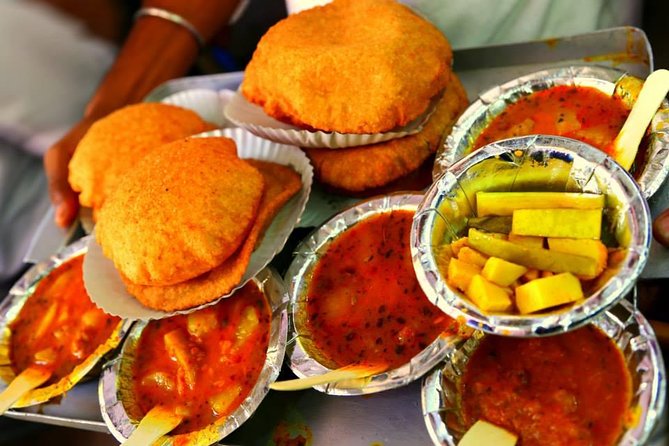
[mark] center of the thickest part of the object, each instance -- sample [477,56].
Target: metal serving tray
[393,417]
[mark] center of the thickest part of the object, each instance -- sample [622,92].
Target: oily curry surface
[204,364]
[364,302]
[58,326]
[572,389]
[582,113]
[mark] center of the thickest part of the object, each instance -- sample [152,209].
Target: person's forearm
[157,50]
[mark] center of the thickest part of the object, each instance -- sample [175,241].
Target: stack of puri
[115,143]
[359,67]
[179,216]
[180,227]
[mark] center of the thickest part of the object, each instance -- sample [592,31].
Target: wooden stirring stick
[156,423]
[650,97]
[27,380]
[353,371]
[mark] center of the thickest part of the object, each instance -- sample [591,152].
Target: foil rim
[302,363]
[11,306]
[623,324]
[593,164]
[492,102]
[111,384]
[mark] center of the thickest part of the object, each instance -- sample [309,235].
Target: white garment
[469,23]
[50,69]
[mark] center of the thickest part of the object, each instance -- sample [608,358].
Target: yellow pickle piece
[538,258]
[527,240]
[501,272]
[504,203]
[484,433]
[584,247]
[460,273]
[570,223]
[548,292]
[488,296]
[469,255]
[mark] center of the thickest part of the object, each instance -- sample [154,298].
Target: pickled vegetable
[504,203]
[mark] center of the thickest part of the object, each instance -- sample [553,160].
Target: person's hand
[661,228]
[56,160]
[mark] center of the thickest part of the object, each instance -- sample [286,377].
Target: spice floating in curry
[573,389]
[58,327]
[582,113]
[364,303]
[204,364]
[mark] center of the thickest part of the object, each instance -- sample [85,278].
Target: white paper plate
[208,104]
[254,119]
[104,284]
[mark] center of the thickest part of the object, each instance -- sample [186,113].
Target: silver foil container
[10,309]
[622,323]
[302,352]
[115,387]
[531,163]
[491,103]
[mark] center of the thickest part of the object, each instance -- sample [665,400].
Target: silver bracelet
[171,17]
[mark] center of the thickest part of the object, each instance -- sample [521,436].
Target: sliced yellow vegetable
[29,379]
[348,374]
[626,144]
[200,323]
[158,422]
[548,292]
[460,273]
[469,255]
[538,258]
[488,296]
[504,203]
[501,272]
[571,223]
[527,240]
[483,433]
[588,248]
[458,244]
[177,347]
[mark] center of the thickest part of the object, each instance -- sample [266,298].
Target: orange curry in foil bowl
[207,370]
[586,103]
[599,385]
[356,301]
[52,334]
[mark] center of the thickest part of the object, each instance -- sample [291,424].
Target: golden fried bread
[357,169]
[281,183]
[118,141]
[181,211]
[352,66]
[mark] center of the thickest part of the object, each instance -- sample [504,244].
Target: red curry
[364,303]
[582,113]
[58,327]
[573,389]
[203,364]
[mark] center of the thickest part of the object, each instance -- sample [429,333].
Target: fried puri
[181,211]
[352,66]
[360,168]
[281,183]
[118,141]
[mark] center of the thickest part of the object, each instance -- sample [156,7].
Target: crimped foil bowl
[302,353]
[492,102]
[622,323]
[531,163]
[115,387]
